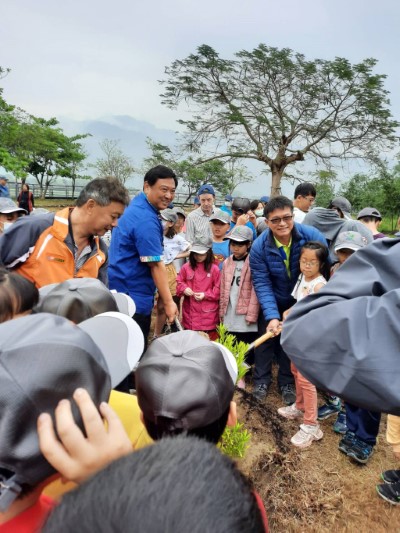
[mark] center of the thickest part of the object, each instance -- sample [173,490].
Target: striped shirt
[198,226]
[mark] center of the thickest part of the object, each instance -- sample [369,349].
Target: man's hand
[198,296]
[188,292]
[73,455]
[171,311]
[274,325]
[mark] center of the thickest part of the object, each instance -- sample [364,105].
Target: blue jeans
[365,424]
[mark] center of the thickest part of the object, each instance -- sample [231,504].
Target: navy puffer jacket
[270,278]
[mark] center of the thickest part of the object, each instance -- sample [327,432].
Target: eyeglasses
[286,219]
[313,263]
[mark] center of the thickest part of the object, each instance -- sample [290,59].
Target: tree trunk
[276,179]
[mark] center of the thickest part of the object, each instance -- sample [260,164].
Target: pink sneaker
[306,435]
[291,412]
[241,384]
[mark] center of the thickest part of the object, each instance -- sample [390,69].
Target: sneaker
[260,391]
[290,411]
[347,442]
[360,451]
[241,384]
[306,436]
[328,409]
[390,493]
[288,394]
[391,476]
[340,425]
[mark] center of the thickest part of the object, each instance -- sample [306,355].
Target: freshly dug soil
[317,489]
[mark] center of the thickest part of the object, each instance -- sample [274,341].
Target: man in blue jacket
[274,263]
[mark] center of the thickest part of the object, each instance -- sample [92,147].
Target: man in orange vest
[54,247]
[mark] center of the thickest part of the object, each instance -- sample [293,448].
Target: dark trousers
[265,354]
[144,322]
[248,337]
[365,424]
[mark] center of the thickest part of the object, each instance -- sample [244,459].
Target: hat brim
[236,239]
[124,302]
[220,220]
[230,361]
[120,340]
[346,246]
[13,210]
[199,249]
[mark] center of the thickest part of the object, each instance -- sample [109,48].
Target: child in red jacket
[198,282]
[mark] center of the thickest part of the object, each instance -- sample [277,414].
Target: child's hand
[242,220]
[188,292]
[198,296]
[252,218]
[73,455]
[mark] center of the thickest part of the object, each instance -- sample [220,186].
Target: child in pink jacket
[239,307]
[199,283]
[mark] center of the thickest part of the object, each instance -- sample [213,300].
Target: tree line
[268,104]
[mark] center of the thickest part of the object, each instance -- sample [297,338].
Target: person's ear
[232,416]
[90,205]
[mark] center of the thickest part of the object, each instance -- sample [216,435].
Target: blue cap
[196,200]
[206,189]
[171,205]
[229,198]
[264,199]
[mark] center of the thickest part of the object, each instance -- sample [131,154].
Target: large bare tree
[275,106]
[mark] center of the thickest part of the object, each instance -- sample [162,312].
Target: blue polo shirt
[136,241]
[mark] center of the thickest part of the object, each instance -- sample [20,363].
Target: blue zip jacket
[270,278]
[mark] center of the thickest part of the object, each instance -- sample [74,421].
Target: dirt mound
[314,489]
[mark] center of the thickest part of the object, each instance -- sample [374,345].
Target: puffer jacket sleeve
[214,291]
[181,281]
[262,279]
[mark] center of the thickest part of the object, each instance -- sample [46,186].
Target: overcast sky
[91,58]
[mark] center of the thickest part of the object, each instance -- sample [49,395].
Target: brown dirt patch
[317,489]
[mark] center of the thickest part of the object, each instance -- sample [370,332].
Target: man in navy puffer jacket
[274,263]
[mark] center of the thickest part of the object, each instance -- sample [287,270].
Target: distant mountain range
[130,132]
[132,135]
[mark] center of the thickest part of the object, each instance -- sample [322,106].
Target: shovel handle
[262,339]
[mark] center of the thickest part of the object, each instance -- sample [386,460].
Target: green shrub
[235,440]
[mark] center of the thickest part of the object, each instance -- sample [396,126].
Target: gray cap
[351,240]
[8,206]
[180,211]
[43,359]
[201,246]
[3,177]
[369,212]
[81,298]
[169,215]
[187,379]
[240,234]
[220,215]
[343,204]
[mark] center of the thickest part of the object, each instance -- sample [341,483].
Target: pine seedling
[238,349]
[235,441]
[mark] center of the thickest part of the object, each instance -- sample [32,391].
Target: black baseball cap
[43,359]
[187,379]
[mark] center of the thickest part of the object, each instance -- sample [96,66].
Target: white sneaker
[291,412]
[306,435]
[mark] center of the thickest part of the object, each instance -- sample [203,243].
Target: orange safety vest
[53,262]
